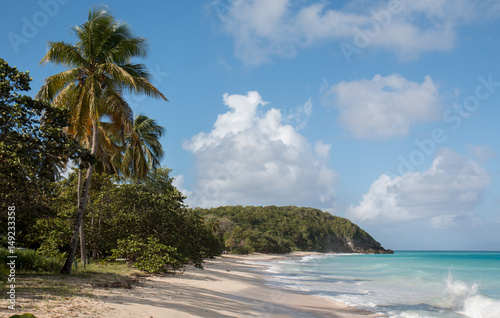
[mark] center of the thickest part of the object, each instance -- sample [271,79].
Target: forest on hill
[282,229]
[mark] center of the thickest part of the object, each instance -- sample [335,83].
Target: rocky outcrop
[363,244]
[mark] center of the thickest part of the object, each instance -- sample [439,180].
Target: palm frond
[137,70]
[56,83]
[64,54]
[143,150]
[143,86]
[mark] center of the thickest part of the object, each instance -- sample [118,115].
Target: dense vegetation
[118,202]
[146,223]
[273,229]
[32,148]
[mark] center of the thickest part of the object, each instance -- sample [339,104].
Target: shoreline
[228,286]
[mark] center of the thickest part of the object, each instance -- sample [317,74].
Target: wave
[465,299]
[395,288]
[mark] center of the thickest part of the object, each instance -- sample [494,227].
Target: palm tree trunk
[81,208]
[83,250]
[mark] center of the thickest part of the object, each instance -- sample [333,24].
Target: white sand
[228,287]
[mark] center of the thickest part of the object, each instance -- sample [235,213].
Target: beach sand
[228,286]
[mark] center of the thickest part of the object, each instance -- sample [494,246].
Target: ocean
[409,284]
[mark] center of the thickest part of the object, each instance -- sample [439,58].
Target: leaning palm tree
[100,70]
[143,150]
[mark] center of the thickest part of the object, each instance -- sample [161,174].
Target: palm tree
[100,70]
[143,150]
[213,224]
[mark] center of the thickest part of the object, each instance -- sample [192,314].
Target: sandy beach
[228,286]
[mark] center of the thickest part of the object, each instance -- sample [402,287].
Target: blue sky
[385,112]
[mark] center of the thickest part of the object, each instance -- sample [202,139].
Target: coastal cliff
[363,245]
[282,229]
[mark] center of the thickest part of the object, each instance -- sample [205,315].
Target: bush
[31,260]
[242,248]
[150,256]
[268,243]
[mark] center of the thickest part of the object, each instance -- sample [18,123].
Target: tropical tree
[100,70]
[33,147]
[143,150]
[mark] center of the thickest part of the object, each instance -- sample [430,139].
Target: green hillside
[275,229]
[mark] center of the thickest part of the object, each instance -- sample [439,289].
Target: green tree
[273,229]
[143,150]
[100,70]
[133,219]
[33,146]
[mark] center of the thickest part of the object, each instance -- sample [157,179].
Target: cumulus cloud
[262,29]
[252,157]
[384,107]
[446,194]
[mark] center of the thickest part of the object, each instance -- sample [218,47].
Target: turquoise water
[405,284]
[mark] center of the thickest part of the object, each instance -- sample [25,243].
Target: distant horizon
[486,251]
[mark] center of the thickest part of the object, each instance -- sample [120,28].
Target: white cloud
[384,107]
[178,183]
[307,108]
[252,157]
[300,116]
[483,153]
[446,194]
[262,29]
[322,150]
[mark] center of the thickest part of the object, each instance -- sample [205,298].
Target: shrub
[242,248]
[151,256]
[31,260]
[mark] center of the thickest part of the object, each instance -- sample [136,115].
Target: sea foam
[407,284]
[466,299]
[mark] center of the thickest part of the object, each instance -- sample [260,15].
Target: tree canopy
[282,229]
[133,221]
[33,147]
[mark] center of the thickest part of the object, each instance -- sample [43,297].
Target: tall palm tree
[143,150]
[100,70]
